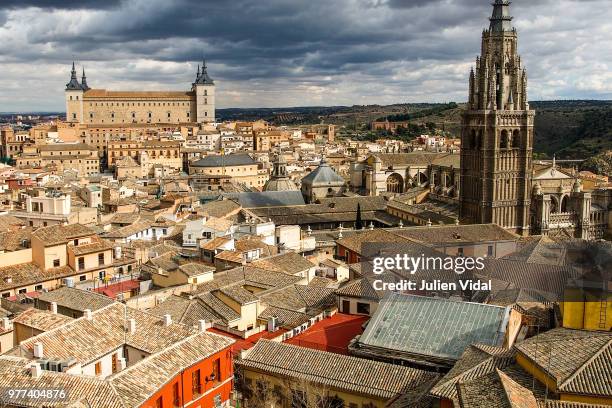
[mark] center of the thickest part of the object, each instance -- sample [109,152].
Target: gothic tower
[204,89]
[497,132]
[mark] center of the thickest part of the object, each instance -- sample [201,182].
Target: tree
[287,391]
[358,222]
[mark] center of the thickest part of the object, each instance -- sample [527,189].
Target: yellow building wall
[347,397]
[90,260]
[16,257]
[589,314]
[172,279]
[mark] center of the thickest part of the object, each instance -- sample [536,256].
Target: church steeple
[202,78]
[73,85]
[84,81]
[497,132]
[501,20]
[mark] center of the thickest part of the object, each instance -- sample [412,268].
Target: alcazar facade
[85,105]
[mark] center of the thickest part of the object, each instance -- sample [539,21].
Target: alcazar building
[494,179]
[85,105]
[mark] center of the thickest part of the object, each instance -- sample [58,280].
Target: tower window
[504,139]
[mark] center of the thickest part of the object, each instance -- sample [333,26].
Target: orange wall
[209,389]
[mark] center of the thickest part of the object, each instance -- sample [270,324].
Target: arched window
[473,140]
[564,204]
[503,142]
[395,183]
[516,138]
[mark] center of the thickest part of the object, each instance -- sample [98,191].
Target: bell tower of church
[497,132]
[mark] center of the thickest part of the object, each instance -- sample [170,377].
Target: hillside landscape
[569,129]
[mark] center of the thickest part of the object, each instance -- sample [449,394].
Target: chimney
[54,307]
[35,370]
[38,350]
[6,323]
[202,325]
[167,320]
[87,314]
[132,326]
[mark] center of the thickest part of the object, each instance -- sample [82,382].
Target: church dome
[279,180]
[323,176]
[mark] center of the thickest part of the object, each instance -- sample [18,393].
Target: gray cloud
[288,53]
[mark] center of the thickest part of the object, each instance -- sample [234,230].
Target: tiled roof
[499,389]
[359,288]
[76,299]
[445,234]
[355,241]
[60,234]
[41,319]
[220,208]
[286,318]
[137,383]
[195,269]
[214,243]
[239,294]
[241,159]
[29,273]
[224,311]
[185,311]
[103,93]
[267,199]
[587,370]
[15,240]
[14,373]
[539,277]
[130,387]
[129,230]
[351,374]
[97,245]
[300,298]
[476,361]
[87,340]
[8,221]
[289,262]
[218,224]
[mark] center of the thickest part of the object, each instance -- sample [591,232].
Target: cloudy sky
[275,53]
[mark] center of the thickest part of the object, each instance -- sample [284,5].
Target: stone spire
[203,78]
[73,85]
[84,81]
[501,19]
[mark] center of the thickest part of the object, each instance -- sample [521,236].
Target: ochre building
[100,106]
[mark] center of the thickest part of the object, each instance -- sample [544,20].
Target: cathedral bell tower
[497,132]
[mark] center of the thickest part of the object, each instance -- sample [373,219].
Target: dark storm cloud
[60,4]
[292,52]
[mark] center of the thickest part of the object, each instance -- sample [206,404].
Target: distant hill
[571,129]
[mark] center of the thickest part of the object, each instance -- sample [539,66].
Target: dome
[279,180]
[280,184]
[323,176]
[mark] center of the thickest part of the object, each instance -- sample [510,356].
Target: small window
[459,251]
[490,250]
[82,278]
[81,263]
[56,263]
[98,368]
[216,371]
[6,294]
[38,287]
[363,308]
[21,291]
[159,403]
[195,382]
[101,259]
